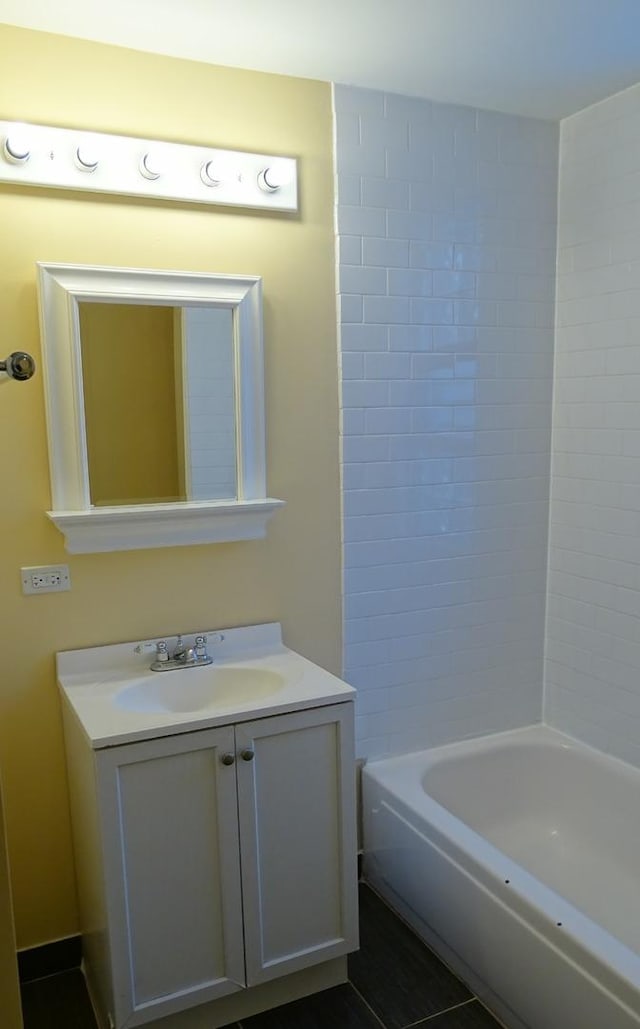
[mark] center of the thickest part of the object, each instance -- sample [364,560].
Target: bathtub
[517,858]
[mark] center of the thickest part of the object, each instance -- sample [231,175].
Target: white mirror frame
[89,529]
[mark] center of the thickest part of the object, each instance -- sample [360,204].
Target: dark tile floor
[394,982]
[57,1002]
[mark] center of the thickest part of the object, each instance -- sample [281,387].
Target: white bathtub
[517,857]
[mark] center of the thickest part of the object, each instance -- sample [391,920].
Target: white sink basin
[199,689]
[118,699]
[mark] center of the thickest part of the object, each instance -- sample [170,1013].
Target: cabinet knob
[228,759]
[247,755]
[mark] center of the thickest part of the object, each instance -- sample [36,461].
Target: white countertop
[92,682]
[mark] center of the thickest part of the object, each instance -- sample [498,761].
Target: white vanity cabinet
[212,861]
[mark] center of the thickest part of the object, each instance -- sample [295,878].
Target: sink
[198,689]
[118,699]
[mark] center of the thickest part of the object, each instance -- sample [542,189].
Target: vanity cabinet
[210,862]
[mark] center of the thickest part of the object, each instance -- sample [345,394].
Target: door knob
[228,759]
[247,755]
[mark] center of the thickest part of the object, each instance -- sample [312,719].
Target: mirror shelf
[103,529]
[90,515]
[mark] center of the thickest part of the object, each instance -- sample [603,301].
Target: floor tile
[397,975]
[397,982]
[57,1002]
[338,1008]
[467,1016]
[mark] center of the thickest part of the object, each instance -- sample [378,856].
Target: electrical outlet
[45,579]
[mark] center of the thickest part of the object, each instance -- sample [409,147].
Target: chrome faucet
[183,656]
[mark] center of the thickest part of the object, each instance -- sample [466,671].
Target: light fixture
[41,155]
[17,145]
[278,174]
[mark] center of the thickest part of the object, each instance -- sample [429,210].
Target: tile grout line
[436,1014]
[366,1004]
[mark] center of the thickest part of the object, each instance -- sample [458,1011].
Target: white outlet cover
[45,579]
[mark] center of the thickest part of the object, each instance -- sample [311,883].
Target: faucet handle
[200,646]
[162,651]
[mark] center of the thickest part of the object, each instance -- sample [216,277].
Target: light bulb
[17,145]
[209,174]
[87,155]
[219,169]
[278,174]
[151,165]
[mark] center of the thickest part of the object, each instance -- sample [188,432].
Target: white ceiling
[547,58]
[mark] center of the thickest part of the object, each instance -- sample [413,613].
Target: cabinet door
[172,871]
[296,800]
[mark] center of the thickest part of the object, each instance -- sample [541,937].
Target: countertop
[93,680]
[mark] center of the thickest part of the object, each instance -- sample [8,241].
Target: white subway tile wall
[446,219]
[593,625]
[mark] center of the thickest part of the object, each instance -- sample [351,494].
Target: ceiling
[547,58]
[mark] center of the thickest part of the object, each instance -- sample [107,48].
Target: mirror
[162,428]
[155,406]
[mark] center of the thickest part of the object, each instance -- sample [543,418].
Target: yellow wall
[128,376]
[9,990]
[292,576]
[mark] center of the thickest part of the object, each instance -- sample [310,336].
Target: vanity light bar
[39,155]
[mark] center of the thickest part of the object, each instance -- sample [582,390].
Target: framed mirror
[155,406]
